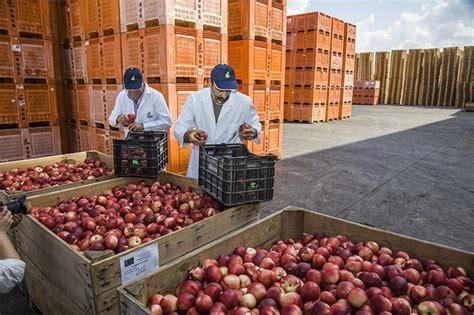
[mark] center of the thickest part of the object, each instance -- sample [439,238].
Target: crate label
[16,48]
[139,263]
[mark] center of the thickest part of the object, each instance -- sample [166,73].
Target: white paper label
[139,263]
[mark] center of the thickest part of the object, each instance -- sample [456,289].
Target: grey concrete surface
[409,170]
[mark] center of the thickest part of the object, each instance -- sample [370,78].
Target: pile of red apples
[39,177]
[124,218]
[319,275]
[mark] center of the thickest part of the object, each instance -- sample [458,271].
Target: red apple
[203,303]
[321,308]
[169,303]
[419,293]
[291,298]
[427,308]
[310,291]
[343,289]
[229,298]
[380,303]
[401,307]
[213,273]
[134,241]
[248,300]
[185,301]
[231,282]
[291,283]
[291,310]
[357,297]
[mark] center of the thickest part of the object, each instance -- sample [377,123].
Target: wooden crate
[288,223]
[61,281]
[80,156]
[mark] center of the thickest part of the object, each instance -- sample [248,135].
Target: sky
[383,25]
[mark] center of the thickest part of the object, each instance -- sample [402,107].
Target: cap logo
[132,78]
[227,75]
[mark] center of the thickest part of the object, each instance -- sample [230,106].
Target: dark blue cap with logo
[133,79]
[223,77]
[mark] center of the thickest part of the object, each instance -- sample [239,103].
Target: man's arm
[114,120]
[185,123]
[12,269]
[254,121]
[163,119]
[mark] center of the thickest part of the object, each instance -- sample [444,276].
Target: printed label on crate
[16,48]
[138,264]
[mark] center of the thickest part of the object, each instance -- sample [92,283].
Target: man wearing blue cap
[139,107]
[215,115]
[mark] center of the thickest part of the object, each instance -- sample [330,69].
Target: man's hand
[136,127]
[123,120]
[196,137]
[248,134]
[6,221]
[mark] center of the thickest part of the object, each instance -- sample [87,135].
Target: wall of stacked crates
[429,77]
[29,81]
[320,61]
[174,45]
[257,53]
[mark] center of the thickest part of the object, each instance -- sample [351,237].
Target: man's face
[135,94]
[220,97]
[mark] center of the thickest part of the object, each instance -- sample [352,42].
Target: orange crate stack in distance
[348,67]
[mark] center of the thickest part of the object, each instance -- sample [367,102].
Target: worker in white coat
[139,107]
[215,114]
[12,268]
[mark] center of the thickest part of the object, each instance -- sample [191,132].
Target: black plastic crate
[234,176]
[142,154]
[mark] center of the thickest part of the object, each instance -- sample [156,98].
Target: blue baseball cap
[223,77]
[133,79]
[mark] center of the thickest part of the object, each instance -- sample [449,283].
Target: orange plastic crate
[258,95]
[214,48]
[318,76]
[277,30]
[350,38]
[85,138]
[314,95]
[349,62]
[97,103]
[248,20]
[176,95]
[259,148]
[7,65]
[277,63]
[93,51]
[275,106]
[33,18]
[101,140]
[42,141]
[178,157]
[316,58]
[36,59]
[274,130]
[70,104]
[289,74]
[299,77]
[288,97]
[334,93]
[9,109]
[111,92]
[249,60]
[82,103]
[40,104]
[335,77]
[345,110]
[336,60]
[4,19]
[111,61]
[299,59]
[348,78]
[79,62]
[318,20]
[332,111]
[11,142]
[286,111]
[77,19]
[103,18]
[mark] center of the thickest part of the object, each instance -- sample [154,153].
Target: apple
[310,291]
[291,310]
[134,241]
[401,307]
[185,301]
[321,308]
[291,283]
[248,300]
[203,303]
[343,289]
[169,303]
[229,298]
[291,298]
[380,303]
[258,290]
[213,273]
[427,308]
[357,297]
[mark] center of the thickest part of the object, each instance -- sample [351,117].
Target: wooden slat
[56,260]
[44,294]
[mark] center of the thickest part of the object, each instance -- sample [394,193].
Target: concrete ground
[409,170]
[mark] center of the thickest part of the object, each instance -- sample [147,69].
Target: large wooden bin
[79,156]
[62,281]
[287,223]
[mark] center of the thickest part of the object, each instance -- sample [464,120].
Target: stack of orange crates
[29,81]
[307,66]
[319,60]
[366,92]
[174,46]
[348,67]
[257,53]
[92,69]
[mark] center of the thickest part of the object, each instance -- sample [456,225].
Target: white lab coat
[153,112]
[12,272]
[198,112]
